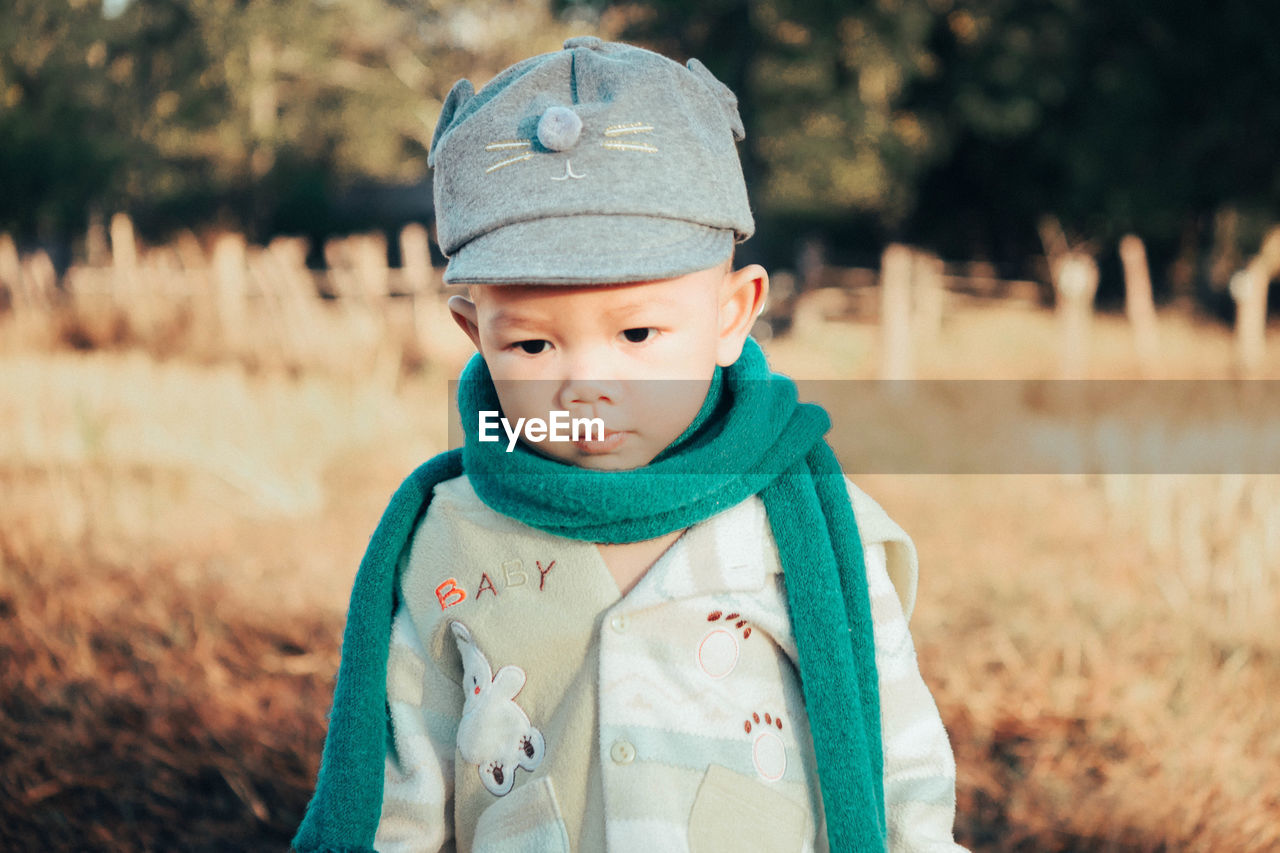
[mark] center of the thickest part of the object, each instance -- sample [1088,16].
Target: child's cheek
[525,397]
[509,365]
[681,356]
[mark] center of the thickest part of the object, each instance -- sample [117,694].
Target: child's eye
[637,336]
[533,347]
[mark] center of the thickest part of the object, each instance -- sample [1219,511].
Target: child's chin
[610,463]
[614,454]
[620,460]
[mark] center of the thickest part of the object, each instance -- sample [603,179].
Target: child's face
[638,356]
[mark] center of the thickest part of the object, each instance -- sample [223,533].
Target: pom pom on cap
[559,128]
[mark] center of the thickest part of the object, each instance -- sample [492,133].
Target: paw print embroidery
[736,619]
[768,753]
[494,733]
[718,650]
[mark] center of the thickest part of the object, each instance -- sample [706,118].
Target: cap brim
[589,249]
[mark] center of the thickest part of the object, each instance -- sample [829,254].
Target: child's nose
[588,392]
[587,372]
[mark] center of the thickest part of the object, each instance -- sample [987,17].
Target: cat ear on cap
[461,92]
[723,93]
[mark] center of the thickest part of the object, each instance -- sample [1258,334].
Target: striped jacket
[534,709]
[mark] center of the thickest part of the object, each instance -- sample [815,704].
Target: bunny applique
[495,733]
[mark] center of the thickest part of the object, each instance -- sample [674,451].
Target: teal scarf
[751,437]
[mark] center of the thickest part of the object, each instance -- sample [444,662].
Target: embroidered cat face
[559,127]
[560,131]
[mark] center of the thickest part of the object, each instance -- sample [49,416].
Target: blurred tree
[952,123]
[1145,116]
[255,108]
[250,112]
[960,123]
[820,86]
[59,140]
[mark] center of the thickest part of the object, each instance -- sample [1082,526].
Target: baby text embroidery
[448,593]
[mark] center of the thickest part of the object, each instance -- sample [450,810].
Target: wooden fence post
[418,277]
[1138,302]
[126,284]
[124,250]
[358,273]
[1075,283]
[1224,257]
[32,283]
[284,272]
[415,259]
[929,295]
[810,263]
[10,269]
[231,278]
[1249,289]
[895,312]
[39,282]
[95,241]
[190,254]
[375,279]
[370,262]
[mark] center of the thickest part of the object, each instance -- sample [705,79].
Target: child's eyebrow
[505,318]
[634,307]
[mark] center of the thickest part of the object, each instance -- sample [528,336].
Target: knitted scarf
[751,437]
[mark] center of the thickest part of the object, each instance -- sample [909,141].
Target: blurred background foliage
[953,124]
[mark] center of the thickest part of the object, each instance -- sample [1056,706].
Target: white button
[622,752]
[619,623]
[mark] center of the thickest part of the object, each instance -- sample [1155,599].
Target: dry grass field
[179,531]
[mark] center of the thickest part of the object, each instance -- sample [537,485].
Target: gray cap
[599,163]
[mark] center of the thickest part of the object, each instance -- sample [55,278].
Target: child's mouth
[610,442]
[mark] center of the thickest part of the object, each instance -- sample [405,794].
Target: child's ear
[742,296]
[464,314]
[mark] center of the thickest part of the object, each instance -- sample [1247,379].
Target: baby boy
[679,628]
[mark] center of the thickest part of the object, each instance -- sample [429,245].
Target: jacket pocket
[732,812]
[527,820]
